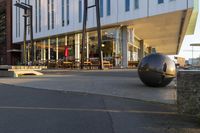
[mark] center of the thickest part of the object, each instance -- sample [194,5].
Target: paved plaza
[89,102]
[120,83]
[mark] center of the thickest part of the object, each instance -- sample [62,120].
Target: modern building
[130,28]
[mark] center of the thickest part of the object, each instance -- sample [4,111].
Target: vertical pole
[99,34]
[192,55]
[87,52]
[44,49]
[57,43]
[28,54]
[49,49]
[25,33]
[35,58]
[31,34]
[84,31]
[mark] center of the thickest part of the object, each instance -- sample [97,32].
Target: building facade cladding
[57,26]
[5,31]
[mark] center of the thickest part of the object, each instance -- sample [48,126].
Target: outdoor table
[67,64]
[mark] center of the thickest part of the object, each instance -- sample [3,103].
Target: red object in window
[66,52]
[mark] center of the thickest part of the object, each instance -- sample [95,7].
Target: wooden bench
[107,64]
[67,64]
[133,63]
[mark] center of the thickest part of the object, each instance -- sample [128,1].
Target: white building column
[49,50]
[43,52]
[65,40]
[118,48]
[35,52]
[141,52]
[77,47]
[124,39]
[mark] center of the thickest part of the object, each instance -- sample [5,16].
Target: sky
[186,49]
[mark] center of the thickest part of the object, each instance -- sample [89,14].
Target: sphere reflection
[156,70]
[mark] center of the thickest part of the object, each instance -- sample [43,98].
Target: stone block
[188,92]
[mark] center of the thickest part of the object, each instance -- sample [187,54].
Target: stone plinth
[188,92]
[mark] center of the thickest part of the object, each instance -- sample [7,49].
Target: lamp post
[28,13]
[86,7]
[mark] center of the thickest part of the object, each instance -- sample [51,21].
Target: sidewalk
[119,83]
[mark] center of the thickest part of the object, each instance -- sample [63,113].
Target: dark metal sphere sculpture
[156,70]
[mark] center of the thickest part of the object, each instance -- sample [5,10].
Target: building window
[80,10]
[36,15]
[136,4]
[39,15]
[160,1]
[28,19]
[3,28]
[16,21]
[108,8]
[101,8]
[63,14]
[127,5]
[48,14]
[67,12]
[19,20]
[27,2]
[52,14]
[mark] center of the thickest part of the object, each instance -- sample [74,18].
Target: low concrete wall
[16,71]
[188,92]
[4,73]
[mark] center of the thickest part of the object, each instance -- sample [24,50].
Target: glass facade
[108,8]
[2,26]
[80,11]
[18,27]
[67,9]
[36,16]
[136,4]
[71,47]
[61,48]
[48,14]
[54,49]
[40,19]
[52,14]
[101,8]
[63,13]
[160,1]
[127,5]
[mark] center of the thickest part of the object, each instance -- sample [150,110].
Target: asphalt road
[28,110]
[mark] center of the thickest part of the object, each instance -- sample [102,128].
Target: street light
[28,13]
